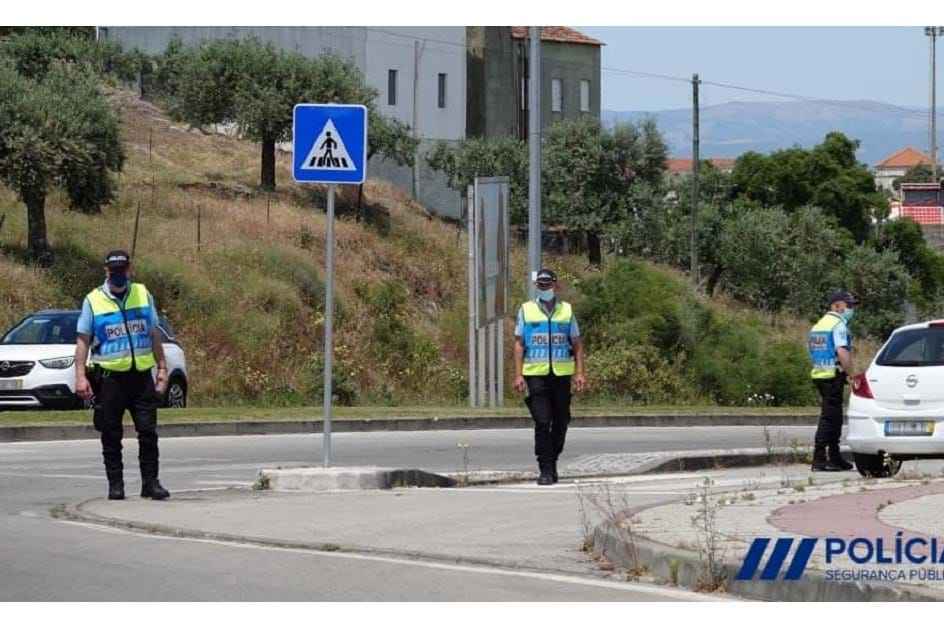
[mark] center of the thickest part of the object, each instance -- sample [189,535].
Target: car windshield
[43,329]
[914,348]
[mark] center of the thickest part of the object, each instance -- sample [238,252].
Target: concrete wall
[885,177]
[493,80]
[440,50]
[570,63]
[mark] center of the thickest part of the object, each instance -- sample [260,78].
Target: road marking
[83,476]
[541,576]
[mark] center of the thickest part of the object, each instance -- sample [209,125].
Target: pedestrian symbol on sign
[328,151]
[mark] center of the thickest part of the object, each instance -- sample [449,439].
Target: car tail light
[860,387]
[936,324]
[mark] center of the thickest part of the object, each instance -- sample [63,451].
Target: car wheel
[875,465]
[176,396]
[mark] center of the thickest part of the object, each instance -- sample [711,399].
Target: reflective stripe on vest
[547,340]
[822,347]
[122,335]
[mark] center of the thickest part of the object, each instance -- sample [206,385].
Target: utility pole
[416,80]
[933,32]
[695,170]
[534,161]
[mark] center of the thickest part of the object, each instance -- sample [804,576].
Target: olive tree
[58,131]
[256,86]
[590,173]
[502,156]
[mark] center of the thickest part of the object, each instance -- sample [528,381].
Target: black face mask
[118,279]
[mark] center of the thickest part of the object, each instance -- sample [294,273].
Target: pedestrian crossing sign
[329,143]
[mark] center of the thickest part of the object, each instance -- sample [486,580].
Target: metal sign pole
[470,231]
[329,322]
[501,361]
[480,335]
[492,361]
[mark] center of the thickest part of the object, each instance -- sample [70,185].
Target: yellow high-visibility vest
[122,333]
[547,347]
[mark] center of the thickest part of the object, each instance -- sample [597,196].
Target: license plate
[909,429]
[11,385]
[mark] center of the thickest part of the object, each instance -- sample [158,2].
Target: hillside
[730,129]
[249,305]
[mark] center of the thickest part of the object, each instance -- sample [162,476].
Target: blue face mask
[848,314]
[117,279]
[546,295]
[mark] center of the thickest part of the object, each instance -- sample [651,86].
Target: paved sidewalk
[516,525]
[816,506]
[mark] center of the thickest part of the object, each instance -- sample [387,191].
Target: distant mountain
[729,129]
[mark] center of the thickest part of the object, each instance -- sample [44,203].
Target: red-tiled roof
[561,34]
[905,158]
[678,165]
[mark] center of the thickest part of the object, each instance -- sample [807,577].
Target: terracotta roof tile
[905,158]
[561,34]
[681,165]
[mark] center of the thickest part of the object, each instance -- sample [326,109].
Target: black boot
[836,462]
[116,487]
[819,459]
[545,478]
[553,470]
[153,489]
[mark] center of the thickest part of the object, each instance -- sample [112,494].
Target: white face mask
[546,295]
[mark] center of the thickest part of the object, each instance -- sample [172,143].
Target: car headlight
[58,363]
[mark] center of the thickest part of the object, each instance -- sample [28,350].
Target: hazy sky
[890,64]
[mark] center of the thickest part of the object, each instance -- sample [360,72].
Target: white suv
[36,357]
[896,408]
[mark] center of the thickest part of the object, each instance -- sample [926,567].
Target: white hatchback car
[36,358]
[896,408]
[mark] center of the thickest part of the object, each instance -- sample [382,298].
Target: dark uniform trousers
[830,419]
[116,392]
[549,402]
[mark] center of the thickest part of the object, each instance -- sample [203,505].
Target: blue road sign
[329,143]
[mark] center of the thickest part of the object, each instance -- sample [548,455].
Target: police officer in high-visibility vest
[830,345]
[118,324]
[548,352]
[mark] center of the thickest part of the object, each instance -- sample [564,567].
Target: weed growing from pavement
[464,459]
[710,556]
[586,527]
[262,483]
[674,571]
[612,502]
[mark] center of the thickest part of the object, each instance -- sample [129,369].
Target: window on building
[557,96]
[584,95]
[391,87]
[442,90]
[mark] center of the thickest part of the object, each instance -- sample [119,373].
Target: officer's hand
[82,388]
[580,381]
[161,383]
[520,384]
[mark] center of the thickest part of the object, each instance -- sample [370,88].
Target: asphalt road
[50,560]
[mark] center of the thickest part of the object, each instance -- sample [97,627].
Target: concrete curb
[662,462]
[350,478]
[237,428]
[685,568]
